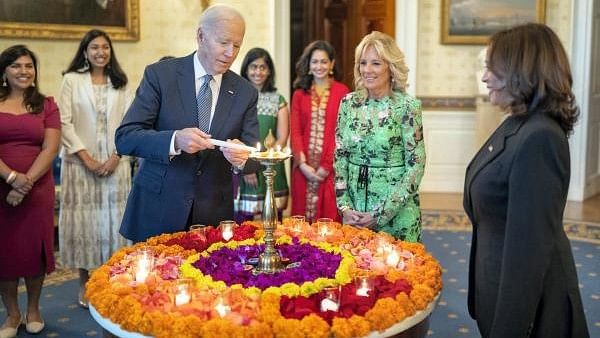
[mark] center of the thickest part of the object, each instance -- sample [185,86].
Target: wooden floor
[588,211]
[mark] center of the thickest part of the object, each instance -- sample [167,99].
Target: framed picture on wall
[69,19]
[473,21]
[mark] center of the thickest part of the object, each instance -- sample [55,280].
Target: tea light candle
[227,234]
[323,231]
[297,221]
[182,298]
[364,289]
[327,304]
[142,269]
[227,229]
[383,247]
[392,258]
[222,308]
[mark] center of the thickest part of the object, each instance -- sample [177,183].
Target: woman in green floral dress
[273,123]
[380,153]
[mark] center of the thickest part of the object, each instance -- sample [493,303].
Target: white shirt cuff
[172,151]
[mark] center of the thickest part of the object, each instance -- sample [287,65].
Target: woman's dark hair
[117,76]
[303,78]
[33,99]
[532,61]
[259,53]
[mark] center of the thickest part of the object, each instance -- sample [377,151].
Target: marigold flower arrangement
[226,299]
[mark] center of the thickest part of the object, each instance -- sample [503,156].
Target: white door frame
[581,41]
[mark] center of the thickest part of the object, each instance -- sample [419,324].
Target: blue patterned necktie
[204,104]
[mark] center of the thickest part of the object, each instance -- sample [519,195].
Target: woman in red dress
[313,117]
[29,141]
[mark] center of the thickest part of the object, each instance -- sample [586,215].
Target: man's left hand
[236,157]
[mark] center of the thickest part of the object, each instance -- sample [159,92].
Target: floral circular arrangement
[197,284]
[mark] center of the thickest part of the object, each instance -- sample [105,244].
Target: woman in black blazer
[522,278]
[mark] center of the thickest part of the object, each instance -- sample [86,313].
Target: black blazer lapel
[223,108]
[493,147]
[187,89]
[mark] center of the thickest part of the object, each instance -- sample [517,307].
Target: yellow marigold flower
[290,289]
[308,289]
[272,289]
[252,291]
[321,283]
[284,239]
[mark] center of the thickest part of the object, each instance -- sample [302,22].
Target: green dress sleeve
[411,126]
[340,163]
[282,101]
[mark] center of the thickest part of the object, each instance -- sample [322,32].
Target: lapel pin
[490,148]
[230,92]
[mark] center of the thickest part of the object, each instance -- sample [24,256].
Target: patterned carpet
[446,234]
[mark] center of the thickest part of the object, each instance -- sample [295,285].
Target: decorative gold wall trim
[447,103]
[129,32]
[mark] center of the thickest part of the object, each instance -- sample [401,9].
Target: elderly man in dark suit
[180,105]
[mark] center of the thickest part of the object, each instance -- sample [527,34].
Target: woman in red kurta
[313,117]
[29,140]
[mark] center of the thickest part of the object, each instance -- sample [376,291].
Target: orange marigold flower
[315,326]
[360,325]
[288,328]
[341,328]
[221,328]
[383,314]
[258,330]
[421,295]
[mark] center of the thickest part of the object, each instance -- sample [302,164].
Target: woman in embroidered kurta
[313,118]
[273,119]
[95,180]
[380,153]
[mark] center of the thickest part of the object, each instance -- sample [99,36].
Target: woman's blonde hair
[390,53]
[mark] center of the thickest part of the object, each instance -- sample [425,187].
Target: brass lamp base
[269,263]
[269,260]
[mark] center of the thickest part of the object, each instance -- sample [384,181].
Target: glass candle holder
[227,229]
[331,299]
[392,258]
[383,246]
[222,307]
[324,226]
[199,229]
[297,222]
[182,291]
[364,284]
[144,264]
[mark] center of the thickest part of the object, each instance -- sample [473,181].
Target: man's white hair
[219,12]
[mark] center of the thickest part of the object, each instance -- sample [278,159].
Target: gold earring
[331,71]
